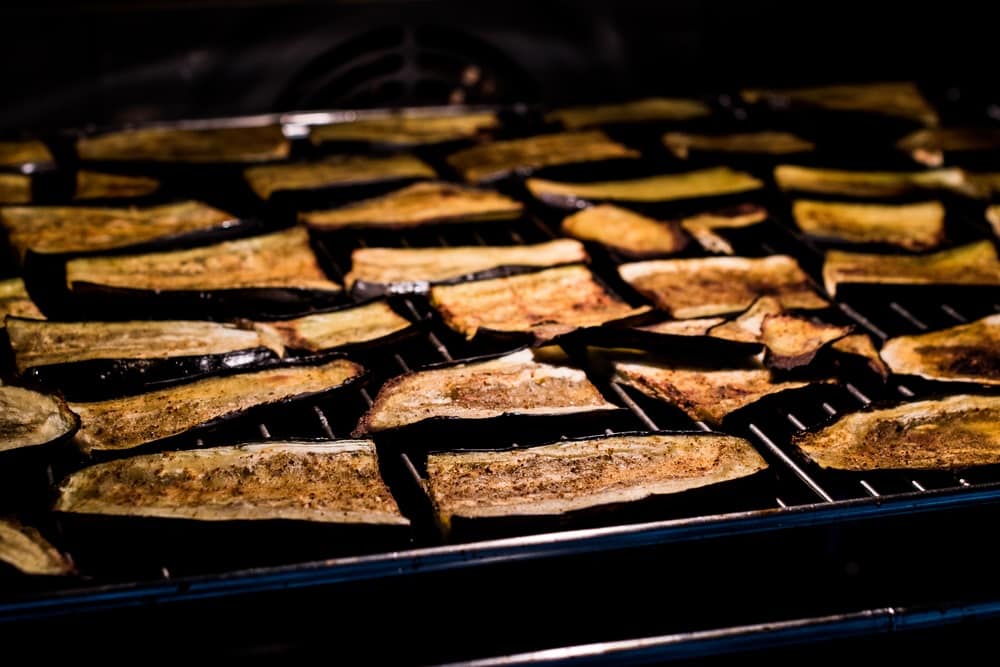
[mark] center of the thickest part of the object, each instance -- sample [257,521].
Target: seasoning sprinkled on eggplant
[917,226]
[964,353]
[625,231]
[170,144]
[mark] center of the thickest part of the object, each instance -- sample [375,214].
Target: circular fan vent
[407,66]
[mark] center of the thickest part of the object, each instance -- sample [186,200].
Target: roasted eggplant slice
[703,394]
[688,288]
[682,144]
[860,345]
[170,144]
[705,227]
[496,160]
[748,326]
[929,145]
[972,264]
[338,329]
[335,171]
[31,419]
[966,353]
[408,267]
[625,231]
[19,153]
[546,303]
[884,184]
[793,341]
[573,475]
[981,185]
[917,226]
[651,109]
[697,327]
[417,205]
[513,385]
[77,229]
[24,549]
[279,260]
[407,129]
[712,182]
[993,217]
[955,432]
[326,482]
[14,300]
[125,423]
[95,185]
[895,99]
[15,189]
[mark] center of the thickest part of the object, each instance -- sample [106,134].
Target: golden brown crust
[636,111]
[348,326]
[334,171]
[965,353]
[387,266]
[917,226]
[282,259]
[63,229]
[681,144]
[547,303]
[416,205]
[17,153]
[704,226]
[972,264]
[407,129]
[95,185]
[689,288]
[955,432]
[15,189]
[14,300]
[574,475]
[703,394]
[495,160]
[328,482]
[870,183]
[23,548]
[712,182]
[30,419]
[515,384]
[169,144]
[898,99]
[124,423]
[625,231]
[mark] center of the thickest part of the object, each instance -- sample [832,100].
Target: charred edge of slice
[787,350]
[964,353]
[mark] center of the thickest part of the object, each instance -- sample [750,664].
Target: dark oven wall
[110,62]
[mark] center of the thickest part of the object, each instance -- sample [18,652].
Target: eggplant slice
[125,423]
[279,260]
[496,160]
[364,324]
[339,170]
[77,229]
[965,353]
[567,476]
[171,144]
[625,231]
[653,109]
[704,227]
[14,300]
[96,185]
[748,326]
[972,264]
[712,182]
[688,288]
[793,341]
[547,303]
[895,99]
[954,432]
[407,129]
[418,205]
[24,549]
[918,226]
[512,385]
[20,153]
[15,189]
[326,482]
[31,419]
[929,145]
[408,267]
[993,217]
[876,184]
[703,394]
[860,345]
[682,144]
